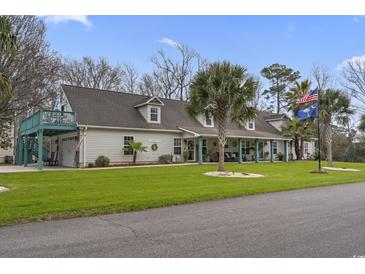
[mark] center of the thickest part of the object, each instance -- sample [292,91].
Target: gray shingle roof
[95,107]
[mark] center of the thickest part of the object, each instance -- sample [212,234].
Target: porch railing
[48,118]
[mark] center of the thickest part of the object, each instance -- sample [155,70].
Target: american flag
[311,96]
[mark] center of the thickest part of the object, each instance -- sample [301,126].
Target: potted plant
[186,154]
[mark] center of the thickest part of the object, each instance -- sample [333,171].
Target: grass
[73,193]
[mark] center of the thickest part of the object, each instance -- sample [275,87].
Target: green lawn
[64,194]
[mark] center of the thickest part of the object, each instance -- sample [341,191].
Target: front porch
[33,130]
[205,149]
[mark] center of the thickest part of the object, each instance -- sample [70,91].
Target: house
[99,122]
[6,155]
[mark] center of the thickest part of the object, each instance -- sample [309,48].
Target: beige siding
[277,124]
[110,142]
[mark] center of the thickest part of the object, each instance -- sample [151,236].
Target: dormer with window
[151,110]
[250,125]
[206,118]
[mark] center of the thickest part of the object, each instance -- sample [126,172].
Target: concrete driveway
[316,222]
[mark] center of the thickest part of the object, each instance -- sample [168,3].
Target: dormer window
[208,119]
[250,125]
[154,114]
[151,110]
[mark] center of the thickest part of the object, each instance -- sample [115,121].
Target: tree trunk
[221,157]
[278,103]
[134,157]
[329,145]
[301,148]
[297,148]
[221,138]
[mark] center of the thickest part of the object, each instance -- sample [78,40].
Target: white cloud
[355,59]
[56,19]
[170,42]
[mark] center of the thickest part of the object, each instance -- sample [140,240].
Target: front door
[191,150]
[261,150]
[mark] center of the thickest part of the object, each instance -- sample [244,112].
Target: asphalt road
[316,222]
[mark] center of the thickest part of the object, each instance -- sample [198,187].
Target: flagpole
[319,133]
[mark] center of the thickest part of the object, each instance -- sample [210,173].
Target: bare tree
[321,76]
[353,73]
[175,75]
[147,86]
[130,78]
[33,70]
[90,73]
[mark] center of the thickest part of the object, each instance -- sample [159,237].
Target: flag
[307,112]
[311,96]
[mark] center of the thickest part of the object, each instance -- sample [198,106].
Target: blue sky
[253,41]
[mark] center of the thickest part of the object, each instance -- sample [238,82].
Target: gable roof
[103,108]
[151,101]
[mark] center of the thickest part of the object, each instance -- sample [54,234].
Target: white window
[274,147]
[250,125]
[127,150]
[177,146]
[306,148]
[208,119]
[154,114]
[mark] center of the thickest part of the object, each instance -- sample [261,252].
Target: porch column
[257,151]
[25,148]
[285,151]
[200,150]
[240,141]
[40,150]
[271,151]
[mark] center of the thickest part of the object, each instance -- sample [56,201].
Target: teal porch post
[257,150]
[271,151]
[285,151]
[200,150]
[25,154]
[40,150]
[240,141]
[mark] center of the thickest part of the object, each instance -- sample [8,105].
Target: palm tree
[7,46]
[136,147]
[227,91]
[297,91]
[334,107]
[299,131]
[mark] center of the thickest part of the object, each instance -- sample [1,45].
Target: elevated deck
[51,122]
[34,128]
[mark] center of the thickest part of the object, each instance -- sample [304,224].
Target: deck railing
[48,118]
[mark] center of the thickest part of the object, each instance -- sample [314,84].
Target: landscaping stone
[227,174]
[3,189]
[341,169]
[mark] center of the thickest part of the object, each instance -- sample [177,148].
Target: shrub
[90,165]
[165,159]
[280,156]
[102,161]
[186,155]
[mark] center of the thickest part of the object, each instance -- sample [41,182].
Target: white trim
[149,102]
[131,128]
[84,147]
[187,145]
[234,136]
[181,146]
[189,131]
[247,125]
[124,144]
[211,119]
[149,107]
